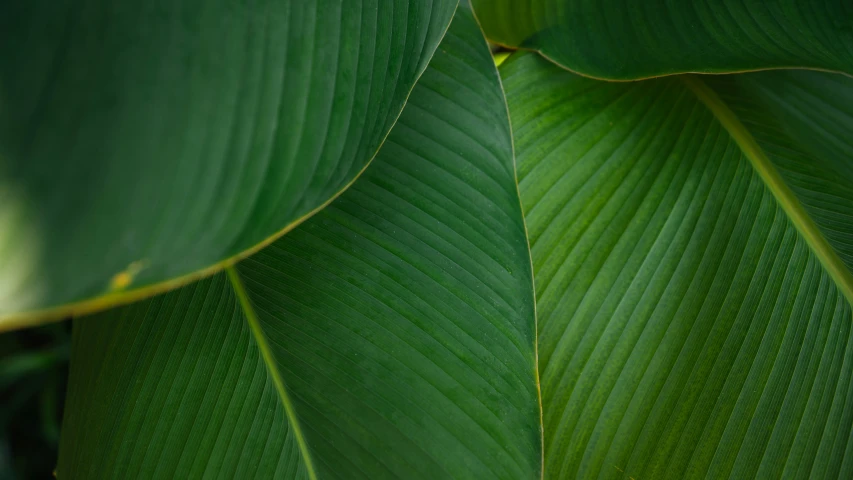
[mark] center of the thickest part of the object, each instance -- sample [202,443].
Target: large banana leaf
[145,143]
[692,240]
[390,336]
[630,39]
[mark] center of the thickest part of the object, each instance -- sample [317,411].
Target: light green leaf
[390,336]
[629,39]
[691,240]
[146,143]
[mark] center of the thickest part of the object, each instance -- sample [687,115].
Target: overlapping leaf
[390,336]
[627,39]
[143,143]
[691,245]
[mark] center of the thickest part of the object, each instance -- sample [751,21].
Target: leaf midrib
[272,367]
[783,194]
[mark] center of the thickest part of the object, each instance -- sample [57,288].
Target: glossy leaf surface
[626,39]
[146,143]
[691,241]
[390,336]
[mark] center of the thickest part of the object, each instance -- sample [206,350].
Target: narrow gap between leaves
[272,367]
[776,184]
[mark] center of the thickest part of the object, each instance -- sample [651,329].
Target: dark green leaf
[692,250]
[630,39]
[390,336]
[145,143]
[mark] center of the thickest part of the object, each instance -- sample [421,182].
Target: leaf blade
[684,322]
[183,137]
[400,317]
[622,40]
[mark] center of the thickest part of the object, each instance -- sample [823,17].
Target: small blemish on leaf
[123,279]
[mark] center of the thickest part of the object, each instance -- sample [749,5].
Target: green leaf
[389,336]
[147,143]
[691,240]
[628,39]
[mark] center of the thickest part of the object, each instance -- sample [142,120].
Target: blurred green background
[33,377]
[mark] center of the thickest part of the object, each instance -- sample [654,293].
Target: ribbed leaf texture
[694,318]
[628,39]
[390,336]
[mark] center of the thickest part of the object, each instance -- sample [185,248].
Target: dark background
[33,378]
